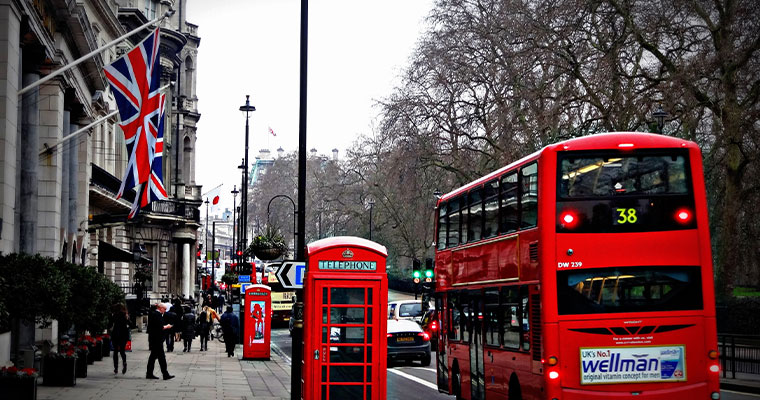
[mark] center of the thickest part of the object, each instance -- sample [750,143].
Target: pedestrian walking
[176,331]
[156,332]
[230,326]
[119,336]
[205,321]
[188,328]
[220,302]
[171,318]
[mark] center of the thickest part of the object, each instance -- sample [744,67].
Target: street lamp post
[205,240]
[243,184]
[371,205]
[659,115]
[234,204]
[247,108]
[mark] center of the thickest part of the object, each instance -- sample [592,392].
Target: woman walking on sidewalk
[204,327]
[230,325]
[119,336]
[188,328]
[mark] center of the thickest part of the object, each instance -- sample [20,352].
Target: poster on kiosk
[345,309]
[257,331]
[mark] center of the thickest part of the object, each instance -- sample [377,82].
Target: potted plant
[87,342]
[269,245]
[18,383]
[59,369]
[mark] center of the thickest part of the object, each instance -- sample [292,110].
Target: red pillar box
[257,331]
[345,314]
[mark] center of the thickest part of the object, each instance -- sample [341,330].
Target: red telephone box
[257,331]
[345,309]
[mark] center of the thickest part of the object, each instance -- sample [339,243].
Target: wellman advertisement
[600,365]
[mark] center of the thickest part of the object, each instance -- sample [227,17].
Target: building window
[150,9]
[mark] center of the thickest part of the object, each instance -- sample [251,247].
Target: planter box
[267,253]
[82,364]
[15,388]
[97,351]
[90,354]
[59,371]
[106,347]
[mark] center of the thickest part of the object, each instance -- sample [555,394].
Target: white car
[406,309]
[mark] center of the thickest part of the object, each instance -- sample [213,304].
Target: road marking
[733,391]
[422,369]
[414,379]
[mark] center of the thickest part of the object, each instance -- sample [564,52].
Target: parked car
[430,325]
[405,309]
[407,342]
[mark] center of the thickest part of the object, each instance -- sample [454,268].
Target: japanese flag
[212,196]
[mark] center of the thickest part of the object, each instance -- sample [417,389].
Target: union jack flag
[134,79]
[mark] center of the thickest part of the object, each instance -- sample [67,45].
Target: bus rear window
[615,192]
[586,175]
[629,289]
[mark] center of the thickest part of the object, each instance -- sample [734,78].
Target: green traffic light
[429,273]
[416,274]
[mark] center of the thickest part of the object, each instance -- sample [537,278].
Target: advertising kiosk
[256,321]
[346,303]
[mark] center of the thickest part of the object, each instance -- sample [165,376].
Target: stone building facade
[57,180]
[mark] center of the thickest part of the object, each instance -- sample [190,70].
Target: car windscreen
[410,310]
[629,289]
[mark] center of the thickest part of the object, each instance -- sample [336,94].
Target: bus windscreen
[629,289]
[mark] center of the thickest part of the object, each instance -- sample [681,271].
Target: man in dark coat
[156,334]
[230,326]
[170,318]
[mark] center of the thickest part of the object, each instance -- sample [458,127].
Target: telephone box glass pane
[324,335]
[347,295]
[369,354]
[346,391]
[324,296]
[342,334]
[368,393]
[346,354]
[347,315]
[369,295]
[369,335]
[346,373]
[324,373]
[369,315]
[324,392]
[324,315]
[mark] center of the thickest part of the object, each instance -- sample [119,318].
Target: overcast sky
[358,49]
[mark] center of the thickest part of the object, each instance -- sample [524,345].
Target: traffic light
[416,273]
[200,250]
[429,273]
[239,253]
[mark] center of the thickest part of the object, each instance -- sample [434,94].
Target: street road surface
[412,381]
[403,379]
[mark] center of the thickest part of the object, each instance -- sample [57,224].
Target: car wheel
[426,360]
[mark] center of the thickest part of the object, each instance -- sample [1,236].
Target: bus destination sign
[349,265]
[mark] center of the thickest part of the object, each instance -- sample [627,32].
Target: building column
[71,227]
[28,145]
[10,62]
[50,169]
[65,163]
[186,284]
[83,174]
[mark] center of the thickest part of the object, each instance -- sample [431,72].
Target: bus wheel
[514,389]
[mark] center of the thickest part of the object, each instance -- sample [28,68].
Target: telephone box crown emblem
[348,254]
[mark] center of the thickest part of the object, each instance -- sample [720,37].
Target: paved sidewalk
[198,375]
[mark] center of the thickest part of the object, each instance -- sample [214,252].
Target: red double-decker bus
[582,271]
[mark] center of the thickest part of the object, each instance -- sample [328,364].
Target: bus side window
[454,318]
[491,207]
[466,315]
[454,223]
[508,204]
[510,318]
[525,318]
[442,225]
[491,317]
[529,196]
[475,218]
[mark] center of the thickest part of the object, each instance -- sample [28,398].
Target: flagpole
[77,132]
[95,52]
